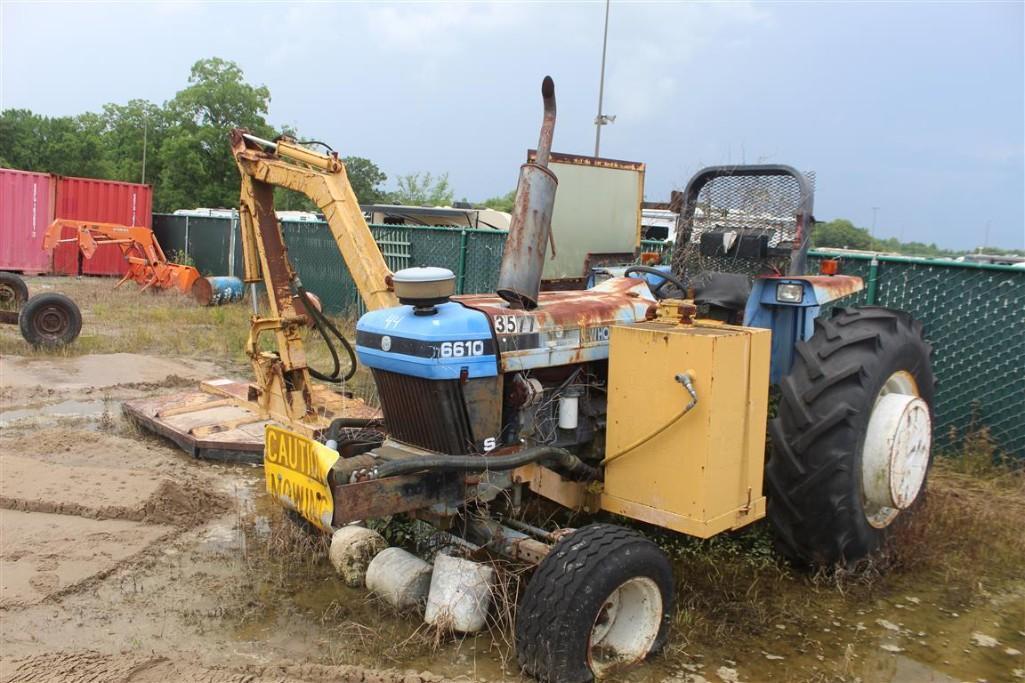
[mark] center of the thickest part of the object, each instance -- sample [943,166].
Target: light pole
[875,210]
[145,130]
[602,119]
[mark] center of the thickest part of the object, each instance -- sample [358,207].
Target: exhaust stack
[519,279]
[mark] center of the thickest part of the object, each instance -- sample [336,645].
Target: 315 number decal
[461,349]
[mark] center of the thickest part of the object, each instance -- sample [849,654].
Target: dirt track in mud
[115,545]
[123,559]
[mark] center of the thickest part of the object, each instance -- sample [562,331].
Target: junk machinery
[645,396]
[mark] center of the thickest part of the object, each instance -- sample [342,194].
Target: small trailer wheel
[13,292]
[50,321]
[601,599]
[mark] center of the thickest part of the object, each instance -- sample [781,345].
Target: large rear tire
[50,321]
[601,599]
[852,436]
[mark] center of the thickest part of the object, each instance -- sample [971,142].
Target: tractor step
[218,422]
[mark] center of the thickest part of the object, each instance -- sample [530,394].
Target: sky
[917,109]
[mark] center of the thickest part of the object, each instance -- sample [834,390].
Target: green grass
[164,323]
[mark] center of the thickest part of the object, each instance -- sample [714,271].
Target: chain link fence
[974,315]
[215,246]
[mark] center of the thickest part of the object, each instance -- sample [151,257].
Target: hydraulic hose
[687,381]
[326,328]
[548,455]
[334,430]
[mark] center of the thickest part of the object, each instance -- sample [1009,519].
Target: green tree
[197,168]
[127,127]
[500,203]
[21,133]
[423,189]
[842,234]
[366,179]
[65,145]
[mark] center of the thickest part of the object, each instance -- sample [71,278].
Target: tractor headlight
[789,293]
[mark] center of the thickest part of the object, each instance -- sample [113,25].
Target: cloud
[654,47]
[439,29]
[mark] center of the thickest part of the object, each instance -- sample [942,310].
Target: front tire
[852,437]
[601,599]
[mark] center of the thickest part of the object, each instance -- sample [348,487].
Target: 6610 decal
[461,349]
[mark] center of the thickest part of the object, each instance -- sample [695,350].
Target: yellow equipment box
[701,474]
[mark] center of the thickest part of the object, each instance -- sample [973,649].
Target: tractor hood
[480,335]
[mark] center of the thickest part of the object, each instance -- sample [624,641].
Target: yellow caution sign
[296,469]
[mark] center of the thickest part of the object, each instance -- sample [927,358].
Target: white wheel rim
[895,456]
[627,625]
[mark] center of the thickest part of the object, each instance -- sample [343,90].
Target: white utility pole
[602,119]
[145,129]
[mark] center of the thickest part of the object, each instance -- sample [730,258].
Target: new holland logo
[386,343]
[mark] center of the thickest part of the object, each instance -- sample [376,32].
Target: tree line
[841,233]
[181,146]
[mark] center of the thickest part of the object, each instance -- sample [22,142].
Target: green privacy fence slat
[974,316]
[215,246]
[208,241]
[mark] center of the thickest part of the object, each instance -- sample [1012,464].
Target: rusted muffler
[519,279]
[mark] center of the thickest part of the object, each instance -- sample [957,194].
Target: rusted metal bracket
[382,497]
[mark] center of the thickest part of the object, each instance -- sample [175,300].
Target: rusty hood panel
[566,327]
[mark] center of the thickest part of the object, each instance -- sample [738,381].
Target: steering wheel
[666,276]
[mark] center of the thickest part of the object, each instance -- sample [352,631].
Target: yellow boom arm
[283,379]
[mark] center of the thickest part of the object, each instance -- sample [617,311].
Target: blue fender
[793,320]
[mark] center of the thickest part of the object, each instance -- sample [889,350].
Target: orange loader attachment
[147,264]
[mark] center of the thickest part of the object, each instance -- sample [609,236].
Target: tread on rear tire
[814,475]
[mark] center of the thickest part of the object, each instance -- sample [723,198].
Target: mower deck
[218,422]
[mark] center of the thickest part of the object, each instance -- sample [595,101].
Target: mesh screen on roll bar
[743,205]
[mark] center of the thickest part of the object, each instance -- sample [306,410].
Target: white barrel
[352,549]
[400,577]
[460,594]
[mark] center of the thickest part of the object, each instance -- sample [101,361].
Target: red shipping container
[26,210]
[66,256]
[104,201]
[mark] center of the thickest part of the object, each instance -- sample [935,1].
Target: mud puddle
[65,409]
[274,597]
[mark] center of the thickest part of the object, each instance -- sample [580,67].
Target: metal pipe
[544,143]
[916,260]
[599,120]
[549,455]
[873,281]
[519,278]
[273,146]
[535,531]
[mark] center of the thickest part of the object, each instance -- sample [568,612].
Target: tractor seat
[725,295]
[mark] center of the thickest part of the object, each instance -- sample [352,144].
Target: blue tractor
[645,397]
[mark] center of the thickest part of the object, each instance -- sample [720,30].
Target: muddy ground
[121,558]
